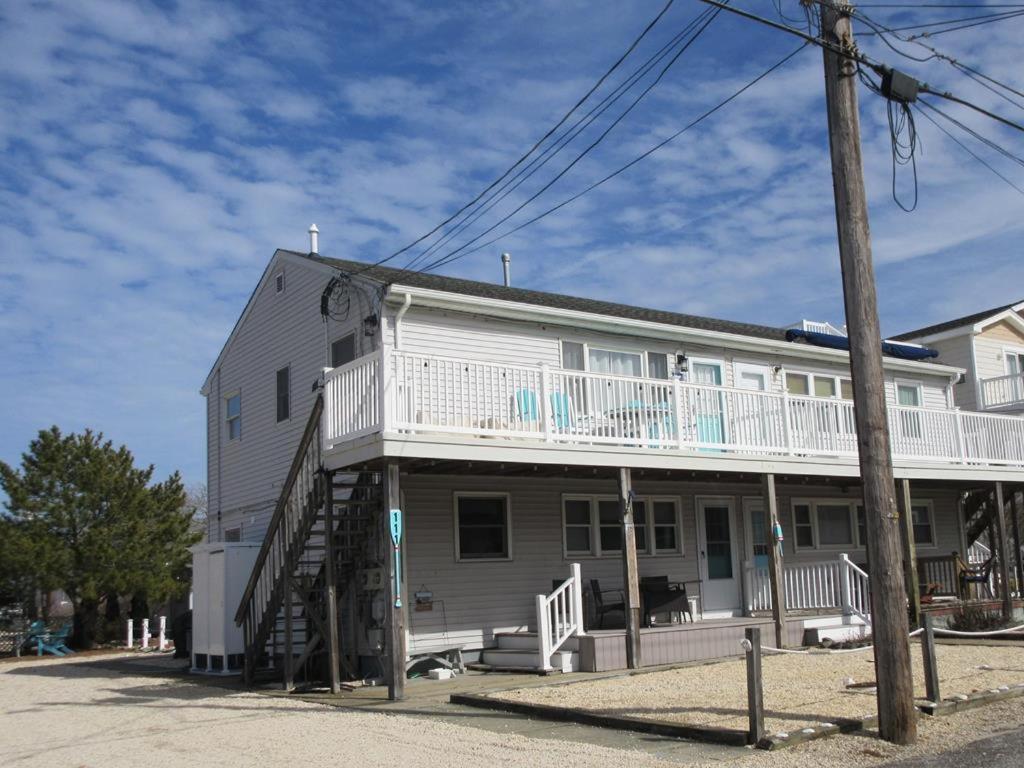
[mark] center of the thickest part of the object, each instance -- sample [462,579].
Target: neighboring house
[503,422]
[989,345]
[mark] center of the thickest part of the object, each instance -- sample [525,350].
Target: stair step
[478,667]
[529,641]
[562,661]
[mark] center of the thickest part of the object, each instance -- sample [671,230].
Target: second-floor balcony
[398,393]
[1003,392]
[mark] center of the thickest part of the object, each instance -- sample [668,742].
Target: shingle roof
[389,275]
[955,323]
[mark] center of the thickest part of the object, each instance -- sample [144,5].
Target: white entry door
[718,552]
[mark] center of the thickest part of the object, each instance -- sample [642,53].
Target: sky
[154,155]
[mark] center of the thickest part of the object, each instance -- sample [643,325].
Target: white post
[787,429]
[844,584]
[961,442]
[162,637]
[748,585]
[543,633]
[326,416]
[131,634]
[677,395]
[577,599]
[387,396]
[545,405]
[145,634]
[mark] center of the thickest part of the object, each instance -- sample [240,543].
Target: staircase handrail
[308,436]
[566,603]
[854,582]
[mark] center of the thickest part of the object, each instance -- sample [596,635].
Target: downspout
[398,319]
[950,390]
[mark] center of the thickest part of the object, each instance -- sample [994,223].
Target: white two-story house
[502,422]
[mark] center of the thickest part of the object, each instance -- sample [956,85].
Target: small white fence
[832,584]
[1002,391]
[147,638]
[391,391]
[559,616]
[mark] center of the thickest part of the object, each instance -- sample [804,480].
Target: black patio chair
[661,595]
[603,606]
[977,575]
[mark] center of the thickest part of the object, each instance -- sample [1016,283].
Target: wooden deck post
[1016,510]
[331,591]
[630,571]
[909,551]
[931,666]
[775,571]
[1004,552]
[395,613]
[755,691]
[289,644]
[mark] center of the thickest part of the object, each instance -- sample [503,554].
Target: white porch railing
[1002,391]
[837,584]
[416,393]
[559,616]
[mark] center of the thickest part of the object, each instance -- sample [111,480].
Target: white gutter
[398,319]
[520,311]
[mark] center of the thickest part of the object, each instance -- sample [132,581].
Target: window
[824,386]
[279,282]
[233,410]
[593,525]
[834,526]
[657,365]
[824,524]
[909,394]
[797,384]
[921,517]
[802,525]
[482,527]
[578,537]
[618,363]
[573,356]
[343,350]
[233,534]
[846,389]
[284,394]
[908,423]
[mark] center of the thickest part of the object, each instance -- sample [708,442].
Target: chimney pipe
[506,261]
[314,239]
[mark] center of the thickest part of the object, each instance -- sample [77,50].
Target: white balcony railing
[831,584]
[1002,391]
[399,392]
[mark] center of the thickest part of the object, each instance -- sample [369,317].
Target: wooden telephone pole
[897,719]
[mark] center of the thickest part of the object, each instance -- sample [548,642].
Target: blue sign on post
[396,538]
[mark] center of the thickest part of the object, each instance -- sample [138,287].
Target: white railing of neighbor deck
[1001,391]
[414,393]
[838,584]
[559,616]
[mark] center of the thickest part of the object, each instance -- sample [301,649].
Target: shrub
[974,619]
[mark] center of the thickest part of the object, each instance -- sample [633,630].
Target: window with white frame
[482,527]
[908,423]
[922,516]
[824,524]
[592,525]
[819,385]
[657,365]
[233,415]
[577,356]
[574,356]
[614,362]
[908,393]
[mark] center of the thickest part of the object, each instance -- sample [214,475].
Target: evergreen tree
[89,522]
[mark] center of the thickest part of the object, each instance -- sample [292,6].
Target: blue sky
[156,153]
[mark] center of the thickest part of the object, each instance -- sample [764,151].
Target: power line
[967,149]
[560,143]
[983,139]
[985,20]
[940,5]
[540,141]
[453,256]
[592,145]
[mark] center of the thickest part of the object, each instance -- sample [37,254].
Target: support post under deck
[1004,552]
[775,573]
[630,571]
[395,613]
[909,550]
[331,592]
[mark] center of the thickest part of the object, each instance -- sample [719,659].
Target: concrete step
[529,641]
[562,661]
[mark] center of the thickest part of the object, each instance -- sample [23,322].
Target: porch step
[834,628]
[524,658]
[528,641]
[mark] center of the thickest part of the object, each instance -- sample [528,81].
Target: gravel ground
[798,689]
[92,713]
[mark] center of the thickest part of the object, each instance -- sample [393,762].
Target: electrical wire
[560,143]
[590,147]
[450,257]
[982,19]
[903,139]
[967,129]
[565,117]
[968,150]
[986,20]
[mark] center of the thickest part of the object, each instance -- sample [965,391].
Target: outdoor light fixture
[369,324]
[682,363]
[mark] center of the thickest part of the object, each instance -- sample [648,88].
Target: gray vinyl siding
[476,600]
[473,337]
[280,330]
[957,351]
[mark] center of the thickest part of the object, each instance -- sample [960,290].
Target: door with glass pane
[750,415]
[757,532]
[1015,368]
[718,554]
[909,422]
[710,411]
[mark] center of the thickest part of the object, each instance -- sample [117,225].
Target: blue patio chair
[54,642]
[526,406]
[561,411]
[35,630]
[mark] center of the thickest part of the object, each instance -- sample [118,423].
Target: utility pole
[897,718]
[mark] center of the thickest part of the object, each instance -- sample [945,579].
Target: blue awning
[891,348]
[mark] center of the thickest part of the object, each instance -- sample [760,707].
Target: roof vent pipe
[314,239]
[506,265]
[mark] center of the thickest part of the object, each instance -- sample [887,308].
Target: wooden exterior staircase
[315,544]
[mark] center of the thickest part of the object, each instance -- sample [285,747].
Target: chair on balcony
[526,409]
[981,574]
[603,606]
